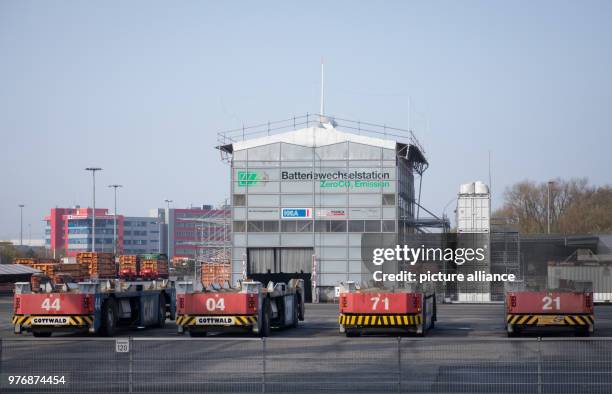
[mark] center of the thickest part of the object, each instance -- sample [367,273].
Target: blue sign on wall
[296,213]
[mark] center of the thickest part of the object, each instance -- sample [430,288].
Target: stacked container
[153,266]
[99,265]
[129,266]
[215,273]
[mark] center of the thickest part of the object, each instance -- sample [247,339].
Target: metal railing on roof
[311,120]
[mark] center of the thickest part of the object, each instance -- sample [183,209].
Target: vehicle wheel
[109,318]
[39,334]
[265,323]
[582,332]
[296,314]
[301,311]
[197,334]
[161,319]
[352,333]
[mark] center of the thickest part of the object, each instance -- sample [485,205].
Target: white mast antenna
[322,111]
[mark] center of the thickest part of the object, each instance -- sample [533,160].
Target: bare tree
[575,207]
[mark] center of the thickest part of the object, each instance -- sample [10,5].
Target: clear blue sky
[141,88]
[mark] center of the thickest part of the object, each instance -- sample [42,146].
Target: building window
[388,226]
[296,226]
[372,226]
[239,226]
[355,226]
[239,200]
[338,226]
[254,226]
[388,199]
[289,226]
[330,226]
[262,226]
[304,226]
[270,226]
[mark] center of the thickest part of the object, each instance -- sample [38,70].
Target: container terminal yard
[288,302]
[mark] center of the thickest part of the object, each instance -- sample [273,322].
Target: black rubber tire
[109,318]
[161,315]
[197,334]
[265,324]
[296,317]
[39,334]
[352,333]
[301,308]
[582,332]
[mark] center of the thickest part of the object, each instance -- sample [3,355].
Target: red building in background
[69,230]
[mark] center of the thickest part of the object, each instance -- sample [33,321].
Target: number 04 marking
[212,305]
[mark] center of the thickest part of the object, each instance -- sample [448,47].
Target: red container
[217,304]
[53,304]
[381,303]
[553,302]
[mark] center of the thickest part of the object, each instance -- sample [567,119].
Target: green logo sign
[248,178]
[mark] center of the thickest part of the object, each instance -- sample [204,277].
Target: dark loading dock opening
[281,265]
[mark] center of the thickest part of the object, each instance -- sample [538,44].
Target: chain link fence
[325,364]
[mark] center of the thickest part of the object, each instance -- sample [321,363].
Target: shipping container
[99,265]
[129,267]
[153,266]
[473,208]
[598,274]
[215,273]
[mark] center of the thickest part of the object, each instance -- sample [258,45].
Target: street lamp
[21,224]
[168,226]
[115,220]
[548,185]
[93,223]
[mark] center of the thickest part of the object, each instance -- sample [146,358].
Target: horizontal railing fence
[314,365]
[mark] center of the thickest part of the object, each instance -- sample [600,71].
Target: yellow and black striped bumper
[551,320]
[187,320]
[40,321]
[380,320]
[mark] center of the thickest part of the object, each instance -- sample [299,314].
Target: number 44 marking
[48,305]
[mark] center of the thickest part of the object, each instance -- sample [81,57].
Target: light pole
[168,226]
[21,224]
[548,185]
[93,223]
[115,219]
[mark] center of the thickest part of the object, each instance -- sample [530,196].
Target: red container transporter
[251,308]
[380,310]
[94,307]
[532,310]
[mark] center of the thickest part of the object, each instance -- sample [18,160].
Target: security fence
[324,364]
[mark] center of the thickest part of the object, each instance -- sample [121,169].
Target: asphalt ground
[467,352]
